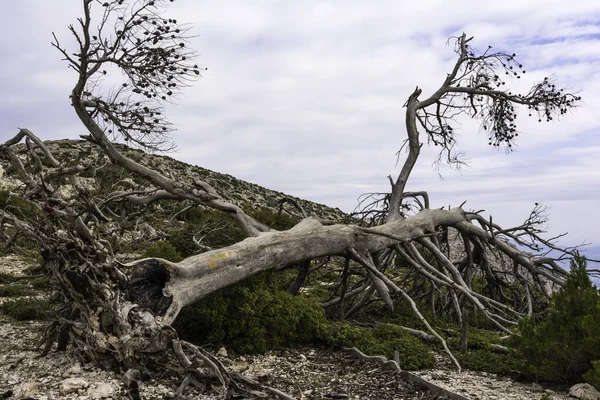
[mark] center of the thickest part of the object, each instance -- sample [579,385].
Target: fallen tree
[120,315]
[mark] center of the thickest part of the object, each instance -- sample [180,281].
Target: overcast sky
[306,97]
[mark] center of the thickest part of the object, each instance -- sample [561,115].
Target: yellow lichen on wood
[214,260]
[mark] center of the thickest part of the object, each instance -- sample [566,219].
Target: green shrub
[42,282]
[163,249]
[217,229]
[384,340]
[488,361]
[477,339]
[253,316]
[273,219]
[6,278]
[561,346]
[24,310]
[593,375]
[405,316]
[16,205]
[15,291]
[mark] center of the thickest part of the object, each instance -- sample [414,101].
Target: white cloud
[306,97]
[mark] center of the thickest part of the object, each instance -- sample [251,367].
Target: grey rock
[26,390]
[222,352]
[102,391]
[74,370]
[72,385]
[584,391]
[536,387]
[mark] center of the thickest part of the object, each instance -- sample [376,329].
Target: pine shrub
[562,345]
[253,316]
[383,340]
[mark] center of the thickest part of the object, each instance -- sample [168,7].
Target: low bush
[561,346]
[24,310]
[488,361]
[253,316]
[273,219]
[477,339]
[593,374]
[163,249]
[384,340]
[6,278]
[40,283]
[15,291]
[216,228]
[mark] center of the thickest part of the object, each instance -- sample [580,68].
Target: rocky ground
[305,373]
[484,386]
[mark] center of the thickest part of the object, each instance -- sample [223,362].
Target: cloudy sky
[306,97]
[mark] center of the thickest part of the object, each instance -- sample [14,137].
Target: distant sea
[592,252]
[589,252]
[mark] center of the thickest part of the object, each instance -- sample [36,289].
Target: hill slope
[234,190]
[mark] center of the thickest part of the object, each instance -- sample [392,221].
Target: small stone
[222,352]
[72,385]
[536,387]
[584,391]
[75,369]
[264,373]
[101,391]
[26,390]
[335,395]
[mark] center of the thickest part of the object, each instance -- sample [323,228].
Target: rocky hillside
[105,177]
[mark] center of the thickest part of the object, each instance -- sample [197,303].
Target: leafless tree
[401,250]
